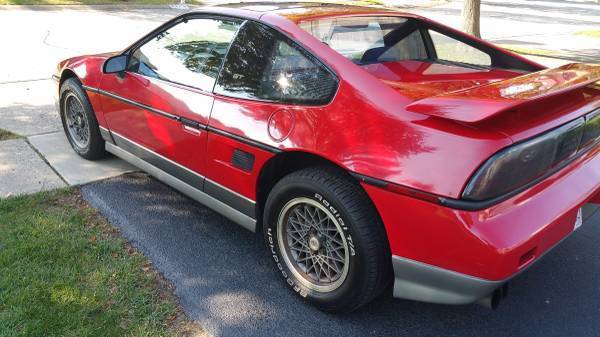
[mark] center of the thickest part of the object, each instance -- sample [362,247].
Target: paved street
[46,35]
[226,281]
[536,26]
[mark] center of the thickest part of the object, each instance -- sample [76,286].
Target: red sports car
[371,147]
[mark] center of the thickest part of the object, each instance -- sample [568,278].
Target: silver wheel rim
[312,244]
[77,126]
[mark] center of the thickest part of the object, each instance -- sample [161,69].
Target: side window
[189,53]
[263,65]
[449,49]
[411,47]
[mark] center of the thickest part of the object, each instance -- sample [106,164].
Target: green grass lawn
[589,32]
[64,271]
[4,135]
[530,51]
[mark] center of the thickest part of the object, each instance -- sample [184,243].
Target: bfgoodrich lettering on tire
[326,239]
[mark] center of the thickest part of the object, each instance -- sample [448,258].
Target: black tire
[369,261]
[93,147]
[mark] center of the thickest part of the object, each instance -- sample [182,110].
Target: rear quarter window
[263,64]
[449,49]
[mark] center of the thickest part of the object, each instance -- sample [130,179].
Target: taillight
[591,133]
[523,163]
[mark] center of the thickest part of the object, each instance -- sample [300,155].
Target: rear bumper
[444,255]
[419,281]
[422,282]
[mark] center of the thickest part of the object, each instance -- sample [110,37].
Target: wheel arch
[66,74]
[285,163]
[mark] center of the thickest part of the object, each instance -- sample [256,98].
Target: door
[159,108]
[267,90]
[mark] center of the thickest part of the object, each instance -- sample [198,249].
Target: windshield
[372,39]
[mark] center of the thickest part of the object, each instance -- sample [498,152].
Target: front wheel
[326,239]
[79,121]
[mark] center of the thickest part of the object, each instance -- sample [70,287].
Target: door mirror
[115,64]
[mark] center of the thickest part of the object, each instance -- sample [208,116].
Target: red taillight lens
[591,133]
[523,163]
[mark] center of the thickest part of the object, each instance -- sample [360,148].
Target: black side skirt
[198,182]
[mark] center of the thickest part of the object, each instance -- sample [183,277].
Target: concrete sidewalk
[22,170]
[74,170]
[45,162]
[42,159]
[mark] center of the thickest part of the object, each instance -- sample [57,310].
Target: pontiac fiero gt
[371,147]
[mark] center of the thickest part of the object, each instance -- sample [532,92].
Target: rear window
[366,40]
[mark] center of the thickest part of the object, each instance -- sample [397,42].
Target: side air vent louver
[242,160]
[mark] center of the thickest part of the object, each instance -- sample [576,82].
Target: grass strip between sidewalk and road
[64,271]
[589,33]
[6,135]
[531,51]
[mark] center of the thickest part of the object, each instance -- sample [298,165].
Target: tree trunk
[471,14]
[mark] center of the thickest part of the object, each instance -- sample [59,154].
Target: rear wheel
[79,121]
[326,239]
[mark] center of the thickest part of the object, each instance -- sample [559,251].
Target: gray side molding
[106,135]
[192,192]
[426,283]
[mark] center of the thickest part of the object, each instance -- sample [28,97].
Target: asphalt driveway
[226,282]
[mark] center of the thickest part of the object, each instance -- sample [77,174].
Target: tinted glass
[449,49]
[189,53]
[409,47]
[262,64]
[369,39]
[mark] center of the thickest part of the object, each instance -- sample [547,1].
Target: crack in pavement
[45,41]
[46,161]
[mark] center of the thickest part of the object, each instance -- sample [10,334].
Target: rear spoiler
[476,104]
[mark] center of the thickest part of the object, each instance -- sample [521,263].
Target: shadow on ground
[225,279]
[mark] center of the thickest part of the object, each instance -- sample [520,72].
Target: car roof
[298,11]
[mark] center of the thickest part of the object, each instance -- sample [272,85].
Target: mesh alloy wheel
[313,245]
[76,122]
[79,121]
[326,239]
